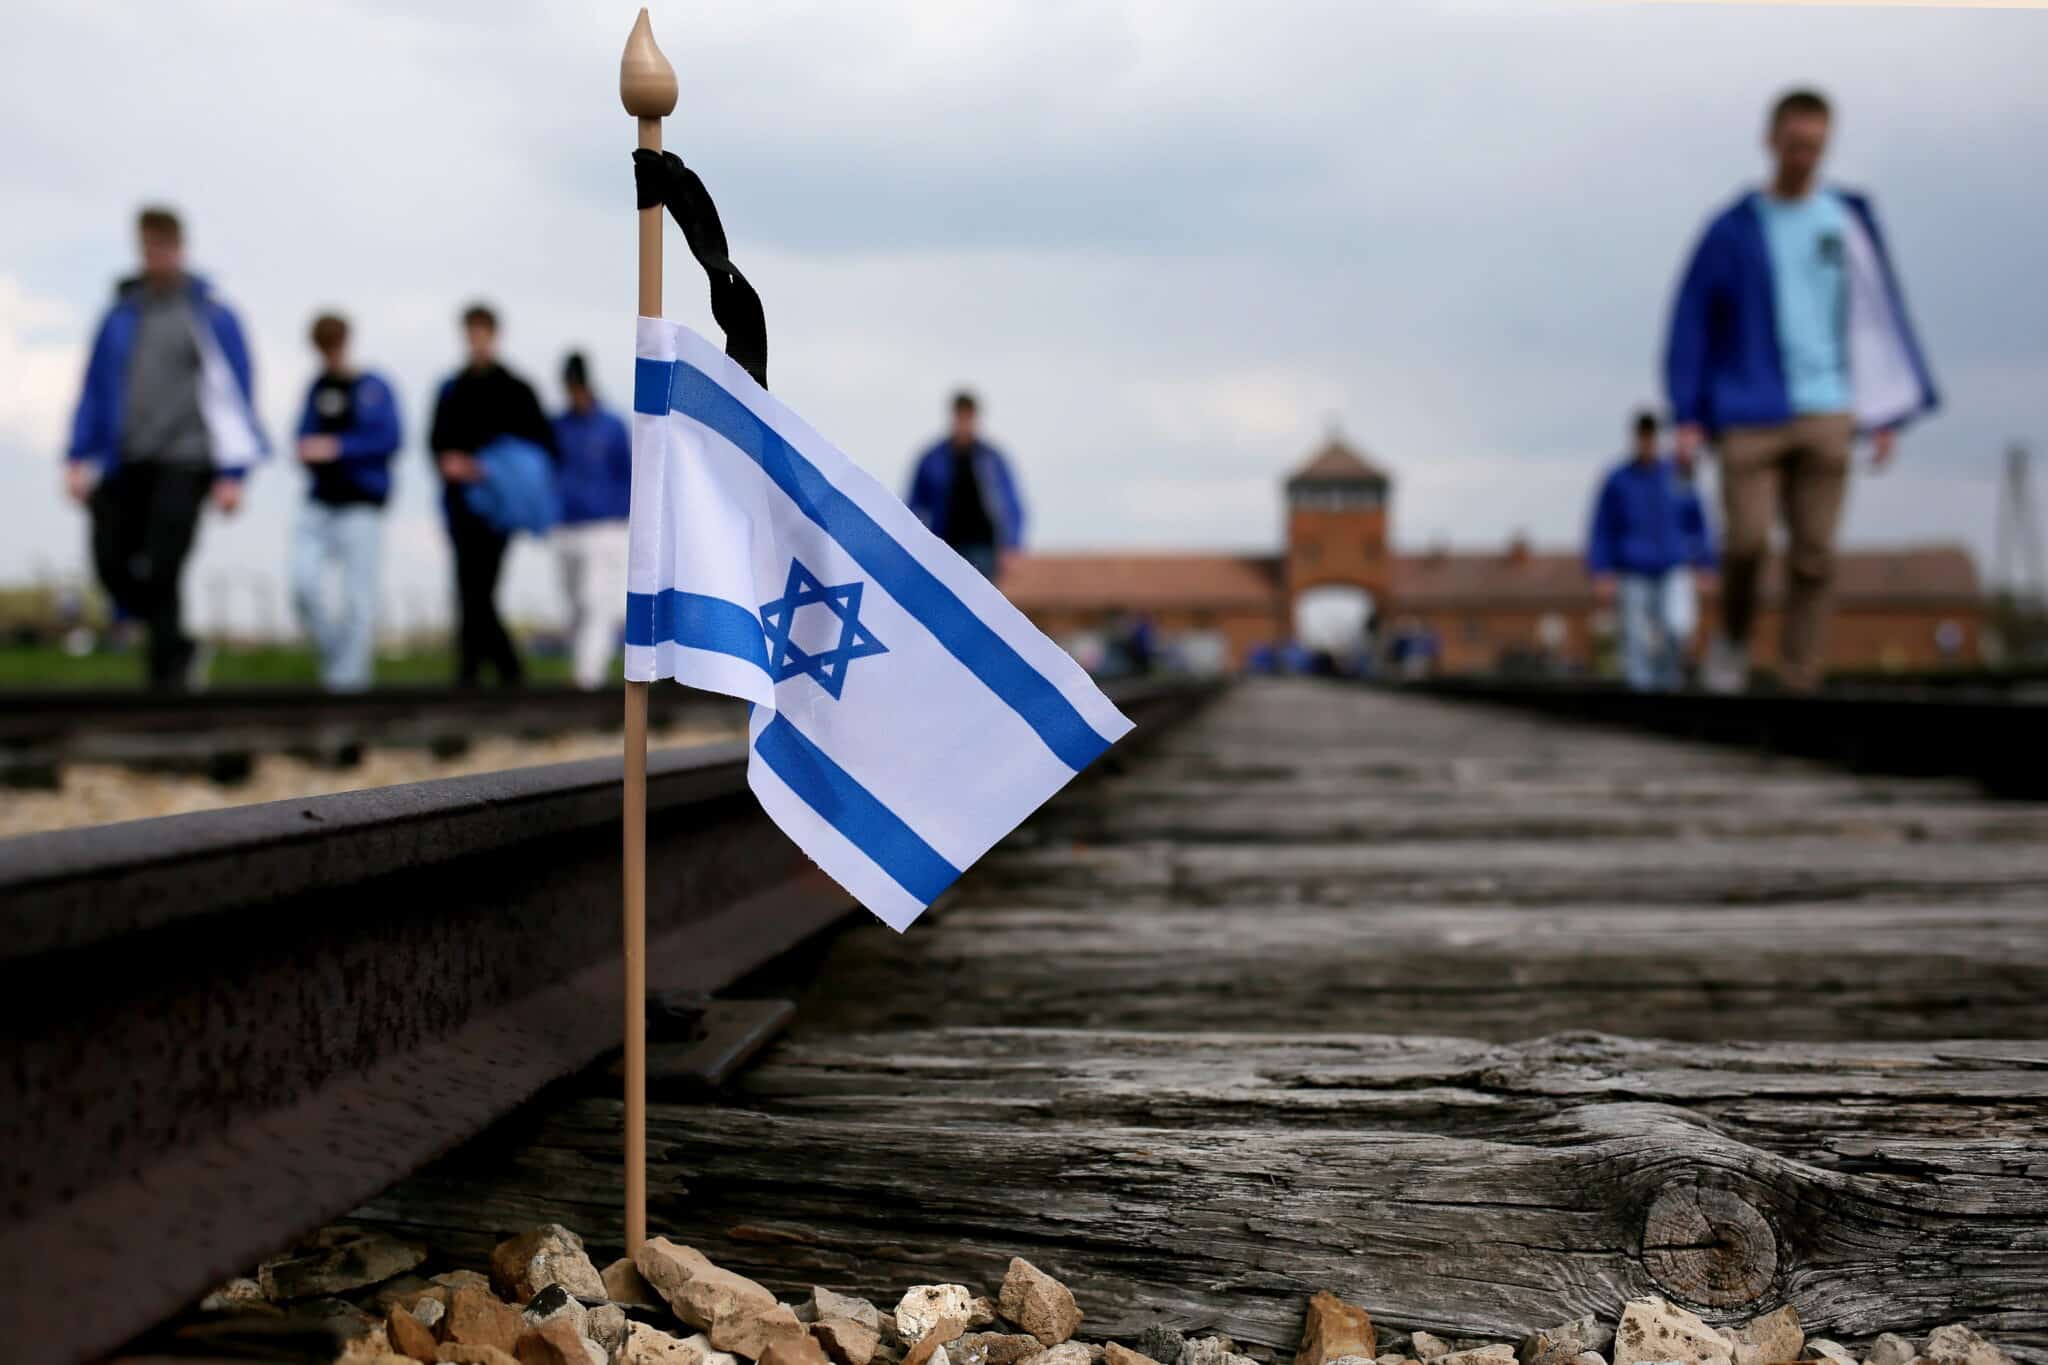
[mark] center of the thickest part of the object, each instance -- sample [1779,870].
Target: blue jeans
[349,538]
[1650,644]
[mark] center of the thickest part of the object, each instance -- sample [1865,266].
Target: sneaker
[1726,670]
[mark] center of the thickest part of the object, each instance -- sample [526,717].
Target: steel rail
[1996,740]
[228,1027]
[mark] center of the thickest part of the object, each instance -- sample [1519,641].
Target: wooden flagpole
[647,87]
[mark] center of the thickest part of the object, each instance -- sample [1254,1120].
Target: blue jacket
[594,468]
[1722,367]
[226,385]
[1647,520]
[517,491]
[370,440]
[931,489]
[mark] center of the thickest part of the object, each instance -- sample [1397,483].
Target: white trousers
[593,559]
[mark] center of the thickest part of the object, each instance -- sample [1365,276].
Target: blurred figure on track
[165,422]
[595,475]
[1789,335]
[348,432]
[1697,560]
[1647,524]
[961,488]
[476,405]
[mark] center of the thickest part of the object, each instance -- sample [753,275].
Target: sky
[1170,242]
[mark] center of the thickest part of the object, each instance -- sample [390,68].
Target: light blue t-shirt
[1809,280]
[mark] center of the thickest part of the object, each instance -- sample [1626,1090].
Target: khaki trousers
[1802,468]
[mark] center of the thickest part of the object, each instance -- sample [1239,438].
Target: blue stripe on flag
[966,636]
[701,622]
[651,379]
[854,811]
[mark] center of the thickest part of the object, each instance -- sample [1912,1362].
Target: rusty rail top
[229,1026]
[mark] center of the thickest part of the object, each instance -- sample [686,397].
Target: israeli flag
[906,716]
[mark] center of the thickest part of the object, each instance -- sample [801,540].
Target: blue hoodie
[368,432]
[931,491]
[595,466]
[1722,367]
[226,385]
[1647,520]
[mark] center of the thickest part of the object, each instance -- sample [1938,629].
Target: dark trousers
[144,517]
[479,558]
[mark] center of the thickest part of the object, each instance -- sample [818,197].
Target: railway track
[1474,1018]
[1480,1018]
[1951,728]
[220,734]
[228,1026]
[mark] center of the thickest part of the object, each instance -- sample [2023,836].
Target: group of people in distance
[1789,337]
[166,422]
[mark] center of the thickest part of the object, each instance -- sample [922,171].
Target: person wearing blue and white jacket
[594,474]
[348,432]
[165,420]
[962,490]
[1648,529]
[1788,338]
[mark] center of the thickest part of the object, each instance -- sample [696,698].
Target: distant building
[1910,607]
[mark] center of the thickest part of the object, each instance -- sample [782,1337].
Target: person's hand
[1603,588]
[459,466]
[1883,442]
[319,449]
[1686,439]
[80,478]
[227,495]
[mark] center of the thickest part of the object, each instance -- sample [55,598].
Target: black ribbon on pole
[662,178]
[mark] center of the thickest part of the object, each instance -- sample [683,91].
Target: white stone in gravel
[1773,1339]
[1390,1358]
[1212,1351]
[1820,1348]
[826,1303]
[1589,1358]
[1066,1353]
[1956,1344]
[1891,1349]
[923,1305]
[1428,1347]
[1652,1330]
[1480,1355]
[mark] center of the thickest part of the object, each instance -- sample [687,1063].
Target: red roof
[1337,462]
[1142,581]
[1910,575]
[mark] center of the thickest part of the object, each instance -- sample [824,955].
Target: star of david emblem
[788,659]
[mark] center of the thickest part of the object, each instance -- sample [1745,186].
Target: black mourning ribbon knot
[661,178]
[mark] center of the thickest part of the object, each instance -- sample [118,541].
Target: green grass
[47,668]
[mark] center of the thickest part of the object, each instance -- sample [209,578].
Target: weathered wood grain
[1296,1002]
[1702,972]
[1219,1181]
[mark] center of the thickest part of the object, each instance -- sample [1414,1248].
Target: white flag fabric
[906,716]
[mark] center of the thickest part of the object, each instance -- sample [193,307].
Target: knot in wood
[1709,1245]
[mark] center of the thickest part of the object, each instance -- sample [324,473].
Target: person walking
[1639,536]
[348,432]
[165,423]
[595,478]
[1789,336]
[475,406]
[962,490]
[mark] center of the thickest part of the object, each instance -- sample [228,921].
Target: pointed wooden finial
[647,83]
